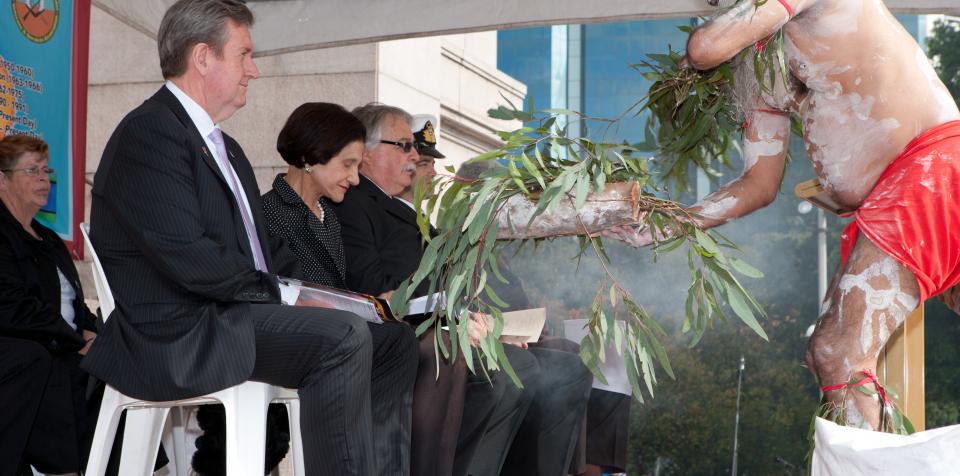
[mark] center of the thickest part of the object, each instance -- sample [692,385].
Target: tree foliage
[944,48]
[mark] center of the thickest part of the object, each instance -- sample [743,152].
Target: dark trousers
[541,440]
[438,407]
[328,355]
[545,443]
[510,408]
[43,412]
[355,382]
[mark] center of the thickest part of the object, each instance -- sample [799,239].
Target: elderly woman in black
[45,327]
[323,145]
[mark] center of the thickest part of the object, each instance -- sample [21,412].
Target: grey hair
[189,22]
[472,170]
[373,114]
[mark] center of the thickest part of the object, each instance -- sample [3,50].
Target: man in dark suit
[383,247]
[177,221]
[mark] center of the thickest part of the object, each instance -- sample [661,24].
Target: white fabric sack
[845,451]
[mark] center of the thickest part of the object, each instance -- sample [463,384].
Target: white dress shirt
[202,121]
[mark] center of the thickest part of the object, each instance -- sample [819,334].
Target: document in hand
[614,368]
[523,326]
[367,307]
[426,304]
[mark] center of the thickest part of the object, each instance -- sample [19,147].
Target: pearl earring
[308,169]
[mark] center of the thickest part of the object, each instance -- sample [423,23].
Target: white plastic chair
[246,416]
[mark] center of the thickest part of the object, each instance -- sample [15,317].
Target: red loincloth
[913,214]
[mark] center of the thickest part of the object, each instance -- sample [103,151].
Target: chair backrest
[99,278]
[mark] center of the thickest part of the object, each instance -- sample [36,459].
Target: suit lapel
[388,203]
[197,143]
[198,147]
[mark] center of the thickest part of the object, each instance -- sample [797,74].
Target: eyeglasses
[404,146]
[33,171]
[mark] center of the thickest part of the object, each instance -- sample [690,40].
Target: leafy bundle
[544,164]
[693,121]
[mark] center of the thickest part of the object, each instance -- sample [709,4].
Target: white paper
[428,303]
[845,451]
[523,326]
[614,369]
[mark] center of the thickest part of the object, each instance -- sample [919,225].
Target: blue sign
[42,92]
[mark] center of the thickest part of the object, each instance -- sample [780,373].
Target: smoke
[777,240]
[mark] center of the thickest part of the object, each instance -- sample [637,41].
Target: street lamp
[803,208]
[736,424]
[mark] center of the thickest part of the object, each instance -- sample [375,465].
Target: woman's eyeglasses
[33,171]
[404,146]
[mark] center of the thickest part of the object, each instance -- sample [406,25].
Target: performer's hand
[630,235]
[478,327]
[387,295]
[89,337]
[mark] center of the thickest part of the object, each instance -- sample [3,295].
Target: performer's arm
[766,139]
[722,38]
[764,154]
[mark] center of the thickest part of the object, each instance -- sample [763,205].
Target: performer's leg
[391,385]
[872,297]
[326,354]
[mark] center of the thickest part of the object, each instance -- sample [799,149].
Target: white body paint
[885,308]
[719,208]
[767,126]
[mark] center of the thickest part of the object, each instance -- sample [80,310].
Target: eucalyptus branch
[565,179]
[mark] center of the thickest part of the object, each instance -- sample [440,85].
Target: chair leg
[296,441]
[109,418]
[246,412]
[180,460]
[141,440]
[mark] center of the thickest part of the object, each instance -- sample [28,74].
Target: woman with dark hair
[324,144]
[45,327]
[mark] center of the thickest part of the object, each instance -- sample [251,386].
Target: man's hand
[478,327]
[89,337]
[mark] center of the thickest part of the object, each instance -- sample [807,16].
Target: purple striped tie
[221,156]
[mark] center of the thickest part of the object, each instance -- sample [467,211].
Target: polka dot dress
[317,244]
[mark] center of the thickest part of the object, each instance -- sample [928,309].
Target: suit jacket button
[54,344]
